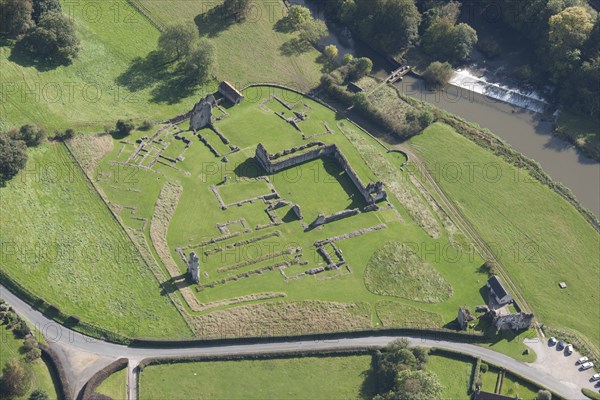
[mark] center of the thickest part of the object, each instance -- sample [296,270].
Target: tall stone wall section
[372,193]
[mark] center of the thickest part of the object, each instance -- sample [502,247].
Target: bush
[38,394]
[32,135]
[438,73]
[147,125]
[13,157]
[15,379]
[484,367]
[590,393]
[543,395]
[66,135]
[124,128]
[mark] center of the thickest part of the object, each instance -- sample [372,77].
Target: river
[479,100]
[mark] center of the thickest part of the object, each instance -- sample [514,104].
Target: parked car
[552,341]
[561,345]
[595,377]
[569,349]
[587,365]
[582,360]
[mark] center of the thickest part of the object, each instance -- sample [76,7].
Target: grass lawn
[115,386]
[10,347]
[511,385]
[395,270]
[61,242]
[454,375]
[294,378]
[540,238]
[85,95]
[250,51]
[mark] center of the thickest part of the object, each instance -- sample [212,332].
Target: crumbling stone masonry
[273,163]
[193,267]
[201,114]
[514,321]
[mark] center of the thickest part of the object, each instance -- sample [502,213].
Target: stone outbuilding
[499,296]
[230,92]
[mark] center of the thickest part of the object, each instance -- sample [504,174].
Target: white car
[582,360]
[569,349]
[595,377]
[552,341]
[587,365]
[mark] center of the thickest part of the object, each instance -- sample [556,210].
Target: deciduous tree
[177,41]
[15,17]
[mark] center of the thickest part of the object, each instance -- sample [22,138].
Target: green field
[249,261]
[511,386]
[115,386]
[113,76]
[539,238]
[240,60]
[85,95]
[61,242]
[455,375]
[294,378]
[10,348]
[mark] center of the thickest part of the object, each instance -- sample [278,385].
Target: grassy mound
[395,270]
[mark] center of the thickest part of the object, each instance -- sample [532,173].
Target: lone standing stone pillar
[193,267]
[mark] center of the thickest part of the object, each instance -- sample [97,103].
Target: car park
[569,349]
[587,365]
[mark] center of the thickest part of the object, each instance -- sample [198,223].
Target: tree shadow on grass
[169,83]
[294,47]
[214,21]
[368,388]
[144,72]
[23,57]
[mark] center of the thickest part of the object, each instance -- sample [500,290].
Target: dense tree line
[16,375]
[401,375]
[39,28]
[566,36]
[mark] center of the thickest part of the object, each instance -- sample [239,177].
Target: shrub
[484,368]
[15,379]
[38,394]
[124,128]
[438,73]
[147,125]
[30,134]
[543,395]
[13,157]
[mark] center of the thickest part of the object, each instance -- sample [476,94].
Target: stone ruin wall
[371,192]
